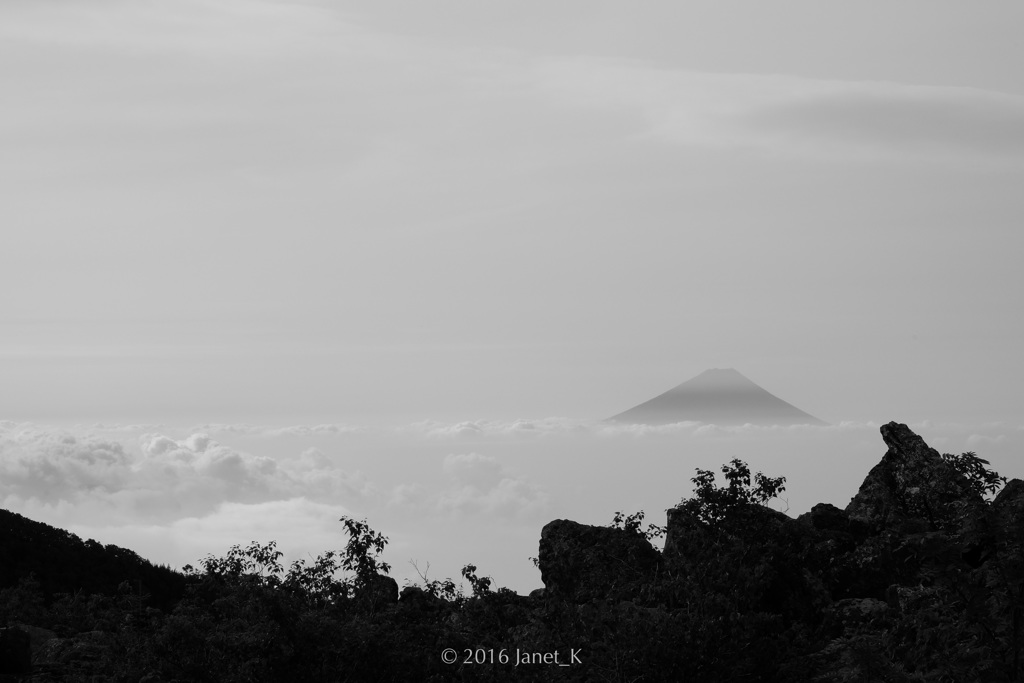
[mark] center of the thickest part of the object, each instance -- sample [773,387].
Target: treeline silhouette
[61,562]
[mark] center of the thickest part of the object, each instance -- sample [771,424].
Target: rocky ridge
[918,579]
[915,539]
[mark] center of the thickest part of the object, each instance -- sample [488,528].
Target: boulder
[860,611]
[38,637]
[830,519]
[831,532]
[826,517]
[911,483]
[682,529]
[1010,501]
[579,562]
[747,521]
[82,656]
[15,651]
[416,598]
[777,555]
[379,590]
[999,533]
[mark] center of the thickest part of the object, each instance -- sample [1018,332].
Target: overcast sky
[220,208]
[347,213]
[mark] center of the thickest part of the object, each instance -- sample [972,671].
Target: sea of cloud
[445,494]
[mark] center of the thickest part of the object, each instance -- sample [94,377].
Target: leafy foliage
[983,481]
[712,504]
[633,523]
[362,553]
[481,585]
[256,562]
[443,589]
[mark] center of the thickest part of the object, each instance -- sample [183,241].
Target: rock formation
[15,652]
[579,562]
[911,482]
[879,540]
[380,590]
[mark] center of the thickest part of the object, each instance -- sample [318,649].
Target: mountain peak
[721,396]
[721,375]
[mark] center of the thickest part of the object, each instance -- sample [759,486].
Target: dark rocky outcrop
[683,530]
[83,656]
[1010,502]
[38,638]
[414,597]
[15,652]
[380,590]
[911,482]
[579,562]
[835,523]
[774,550]
[900,520]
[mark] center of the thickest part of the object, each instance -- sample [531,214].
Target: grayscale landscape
[462,269]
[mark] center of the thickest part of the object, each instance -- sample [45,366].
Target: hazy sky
[308,212]
[226,208]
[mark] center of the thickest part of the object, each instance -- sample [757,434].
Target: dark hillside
[61,562]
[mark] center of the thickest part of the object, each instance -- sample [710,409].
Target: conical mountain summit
[717,396]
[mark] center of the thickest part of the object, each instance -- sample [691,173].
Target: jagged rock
[684,530]
[826,517]
[755,541]
[38,637]
[380,590]
[830,519]
[83,655]
[832,534]
[1000,532]
[15,651]
[416,597]
[858,611]
[911,482]
[680,527]
[580,562]
[1010,501]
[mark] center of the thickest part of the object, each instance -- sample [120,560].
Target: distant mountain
[717,396]
[63,563]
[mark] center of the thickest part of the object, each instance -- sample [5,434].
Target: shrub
[712,504]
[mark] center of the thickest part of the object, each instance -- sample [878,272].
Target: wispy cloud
[795,115]
[204,28]
[256,87]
